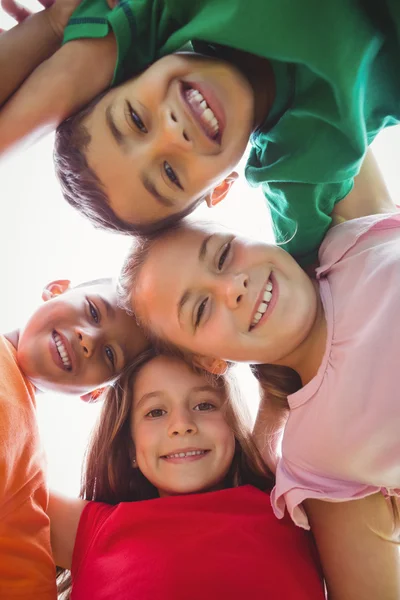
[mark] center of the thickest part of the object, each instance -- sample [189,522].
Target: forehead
[163,374]
[172,263]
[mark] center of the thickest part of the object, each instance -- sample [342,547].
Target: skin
[224,288]
[158,136]
[102,342]
[173,410]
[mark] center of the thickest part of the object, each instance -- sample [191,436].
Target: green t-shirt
[336,69]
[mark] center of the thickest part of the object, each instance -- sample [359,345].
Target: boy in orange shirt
[77,341]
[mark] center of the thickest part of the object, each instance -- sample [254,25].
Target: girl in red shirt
[175,500]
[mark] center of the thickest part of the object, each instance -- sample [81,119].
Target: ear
[219,192]
[212,365]
[55,288]
[92,397]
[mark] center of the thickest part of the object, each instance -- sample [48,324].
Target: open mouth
[203,112]
[189,454]
[62,351]
[263,304]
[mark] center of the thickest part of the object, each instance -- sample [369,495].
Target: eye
[110,355]
[156,413]
[224,255]
[200,312]
[136,120]
[204,406]
[170,173]
[94,312]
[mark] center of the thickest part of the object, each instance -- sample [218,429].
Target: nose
[232,288]
[87,341]
[181,423]
[173,130]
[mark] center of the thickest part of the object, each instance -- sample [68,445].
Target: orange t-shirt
[26,564]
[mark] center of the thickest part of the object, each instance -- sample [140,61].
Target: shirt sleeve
[305,163]
[92,518]
[141,28]
[294,485]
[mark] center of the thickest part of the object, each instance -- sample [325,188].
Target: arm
[357,563]
[57,88]
[369,195]
[64,516]
[32,41]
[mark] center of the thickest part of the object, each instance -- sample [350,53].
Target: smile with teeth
[262,307]
[62,351]
[203,111]
[185,454]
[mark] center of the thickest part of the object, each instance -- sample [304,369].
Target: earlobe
[215,366]
[92,397]
[221,190]
[55,288]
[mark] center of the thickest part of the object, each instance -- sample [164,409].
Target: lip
[214,105]
[271,305]
[54,352]
[186,458]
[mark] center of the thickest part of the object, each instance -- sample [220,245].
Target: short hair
[83,189]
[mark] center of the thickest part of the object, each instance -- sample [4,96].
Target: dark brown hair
[83,189]
[108,475]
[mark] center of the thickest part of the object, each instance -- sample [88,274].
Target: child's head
[219,295]
[149,151]
[79,339]
[166,430]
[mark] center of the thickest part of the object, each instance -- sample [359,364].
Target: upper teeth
[196,99]
[183,454]
[62,351]
[262,307]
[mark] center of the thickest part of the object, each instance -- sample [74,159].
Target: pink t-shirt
[342,438]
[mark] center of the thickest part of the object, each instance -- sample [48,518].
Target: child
[311,82]
[76,342]
[217,296]
[187,511]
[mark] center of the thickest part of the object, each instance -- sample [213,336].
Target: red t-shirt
[225,544]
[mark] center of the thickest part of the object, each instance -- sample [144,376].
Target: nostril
[246,283]
[185,136]
[173,117]
[85,350]
[238,299]
[80,337]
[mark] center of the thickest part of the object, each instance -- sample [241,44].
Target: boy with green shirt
[311,83]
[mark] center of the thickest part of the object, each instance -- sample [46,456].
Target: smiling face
[224,296]
[166,138]
[78,340]
[183,442]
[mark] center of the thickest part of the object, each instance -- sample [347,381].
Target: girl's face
[183,443]
[224,296]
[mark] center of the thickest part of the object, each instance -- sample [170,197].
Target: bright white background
[42,238]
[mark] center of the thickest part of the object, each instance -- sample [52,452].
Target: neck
[307,357]
[13,337]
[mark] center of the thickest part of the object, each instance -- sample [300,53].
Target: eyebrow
[151,188]
[196,389]
[116,133]
[201,256]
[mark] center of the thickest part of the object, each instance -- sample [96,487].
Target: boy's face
[78,340]
[170,136]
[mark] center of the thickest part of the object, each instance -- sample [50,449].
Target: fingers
[46,3]
[15,10]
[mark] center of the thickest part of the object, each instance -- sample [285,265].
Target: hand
[19,12]
[58,12]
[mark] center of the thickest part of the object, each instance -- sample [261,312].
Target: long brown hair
[107,473]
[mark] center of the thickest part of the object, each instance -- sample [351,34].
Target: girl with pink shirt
[326,348]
